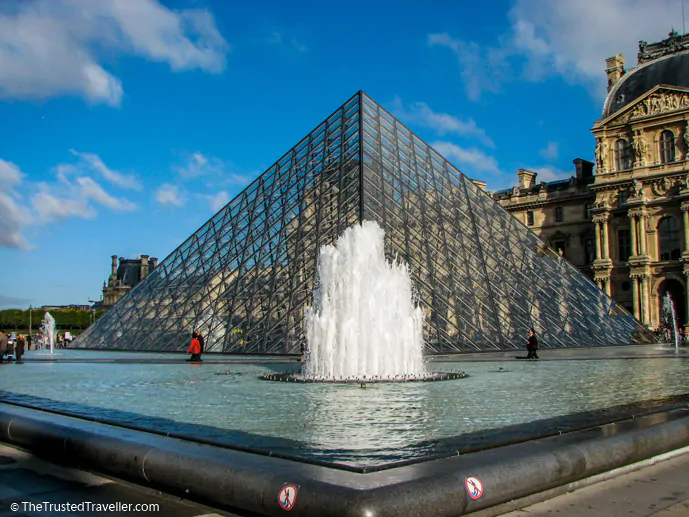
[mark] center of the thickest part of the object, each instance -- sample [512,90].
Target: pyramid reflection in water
[245,277]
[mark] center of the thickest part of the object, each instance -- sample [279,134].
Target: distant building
[125,274]
[66,307]
[627,225]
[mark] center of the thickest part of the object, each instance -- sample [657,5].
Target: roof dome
[670,70]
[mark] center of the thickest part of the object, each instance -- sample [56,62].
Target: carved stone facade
[635,208]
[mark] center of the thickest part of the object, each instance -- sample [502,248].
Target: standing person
[194,349]
[202,343]
[532,345]
[28,341]
[19,348]
[3,346]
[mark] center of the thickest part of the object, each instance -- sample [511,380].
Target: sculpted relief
[659,102]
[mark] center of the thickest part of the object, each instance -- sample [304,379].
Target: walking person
[194,349]
[3,346]
[532,345]
[19,348]
[202,342]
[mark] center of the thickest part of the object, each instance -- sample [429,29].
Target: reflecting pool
[345,424]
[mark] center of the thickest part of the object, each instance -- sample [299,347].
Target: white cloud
[547,173]
[474,158]
[74,199]
[276,39]
[198,165]
[13,217]
[550,152]
[217,201]
[89,162]
[49,201]
[299,46]
[549,38]
[421,114]
[51,47]
[168,194]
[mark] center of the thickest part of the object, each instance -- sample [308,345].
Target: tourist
[19,348]
[532,345]
[29,338]
[194,349]
[3,346]
[10,346]
[202,342]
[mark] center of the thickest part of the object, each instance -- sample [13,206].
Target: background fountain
[48,330]
[668,318]
[365,324]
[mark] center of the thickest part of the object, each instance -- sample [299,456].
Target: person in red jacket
[194,349]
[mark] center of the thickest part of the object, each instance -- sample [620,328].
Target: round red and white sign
[287,497]
[474,487]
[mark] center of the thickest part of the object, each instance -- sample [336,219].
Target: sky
[126,124]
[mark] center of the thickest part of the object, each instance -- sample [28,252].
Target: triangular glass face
[244,278]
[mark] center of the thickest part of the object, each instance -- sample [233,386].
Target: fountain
[668,318]
[48,330]
[364,325]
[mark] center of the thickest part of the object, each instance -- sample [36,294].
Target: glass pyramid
[245,276]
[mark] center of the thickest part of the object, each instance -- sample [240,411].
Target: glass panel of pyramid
[244,278]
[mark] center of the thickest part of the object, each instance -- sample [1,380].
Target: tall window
[669,239]
[623,245]
[559,214]
[588,211]
[622,155]
[529,218]
[589,250]
[667,146]
[560,247]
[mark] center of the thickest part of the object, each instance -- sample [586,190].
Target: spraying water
[365,323]
[668,318]
[48,330]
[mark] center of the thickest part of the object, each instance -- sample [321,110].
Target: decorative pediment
[659,100]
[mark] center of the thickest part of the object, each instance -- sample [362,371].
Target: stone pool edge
[243,481]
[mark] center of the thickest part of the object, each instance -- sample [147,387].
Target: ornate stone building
[125,274]
[627,226]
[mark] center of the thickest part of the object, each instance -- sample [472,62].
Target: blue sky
[126,124]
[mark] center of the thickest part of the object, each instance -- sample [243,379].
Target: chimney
[143,267]
[154,262]
[527,179]
[614,68]
[584,169]
[113,268]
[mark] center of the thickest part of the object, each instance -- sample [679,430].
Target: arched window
[667,146]
[622,155]
[669,239]
[559,214]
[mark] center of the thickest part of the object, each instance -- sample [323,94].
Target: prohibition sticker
[474,487]
[287,497]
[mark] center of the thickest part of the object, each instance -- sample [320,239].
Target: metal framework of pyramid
[245,277]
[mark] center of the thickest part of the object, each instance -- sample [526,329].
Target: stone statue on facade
[639,146]
[599,155]
[686,141]
[637,189]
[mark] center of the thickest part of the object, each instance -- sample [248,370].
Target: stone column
[645,300]
[632,234]
[685,218]
[598,243]
[686,296]
[606,240]
[607,286]
[642,234]
[635,297]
